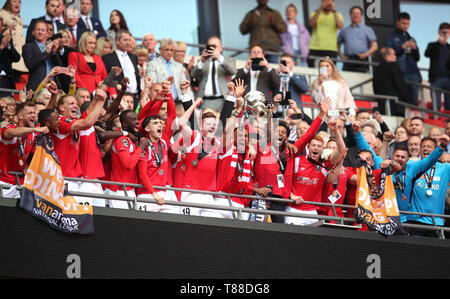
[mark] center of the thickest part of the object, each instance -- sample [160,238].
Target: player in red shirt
[67,138]
[158,166]
[275,163]
[310,174]
[16,147]
[202,152]
[129,163]
[335,193]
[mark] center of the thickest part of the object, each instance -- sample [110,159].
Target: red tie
[74,40]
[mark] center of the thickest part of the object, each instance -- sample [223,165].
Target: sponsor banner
[44,195]
[376,206]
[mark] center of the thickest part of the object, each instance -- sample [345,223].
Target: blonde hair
[67,31]
[100,43]
[83,41]
[335,75]
[141,51]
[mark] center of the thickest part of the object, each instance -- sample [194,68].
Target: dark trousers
[421,232]
[276,206]
[320,53]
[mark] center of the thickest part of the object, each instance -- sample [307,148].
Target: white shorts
[12,192]
[224,201]
[152,207]
[298,220]
[92,188]
[198,198]
[120,204]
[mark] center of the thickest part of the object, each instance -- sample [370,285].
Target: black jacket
[7,57]
[111,60]
[268,82]
[30,36]
[433,52]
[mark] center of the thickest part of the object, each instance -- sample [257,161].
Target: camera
[255,64]
[55,36]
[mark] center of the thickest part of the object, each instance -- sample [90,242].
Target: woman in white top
[331,84]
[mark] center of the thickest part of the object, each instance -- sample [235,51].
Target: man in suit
[52,9]
[388,80]
[88,22]
[41,56]
[128,62]
[213,72]
[296,84]
[164,67]
[150,42]
[261,77]
[8,55]
[71,20]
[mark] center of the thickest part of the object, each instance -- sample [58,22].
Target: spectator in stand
[180,55]
[118,23]
[291,83]
[400,137]
[430,189]
[165,67]
[439,73]
[60,13]
[52,9]
[360,42]
[331,84]
[417,127]
[88,22]
[16,147]
[150,42]
[8,55]
[414,148]
[296,39]
[71,19]
[407,53]
[66,40]
[41,56]
[127,62]
[435,133]
[105,46]
[259,75]
[83,96]
[264,25]
[213,71]
[388,80]
[325,22]
[10,15]
[142,55]
[89,68]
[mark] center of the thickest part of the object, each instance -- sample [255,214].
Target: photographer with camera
[292,86]
[213,72]
[258,75]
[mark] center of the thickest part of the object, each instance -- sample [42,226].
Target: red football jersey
[157,174]
[67,147]
[11,152]
[308,181]
[90,155]
[341,188]
[267,169]
[127,172]
[201,175]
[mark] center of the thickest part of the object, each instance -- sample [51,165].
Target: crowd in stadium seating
[123,112]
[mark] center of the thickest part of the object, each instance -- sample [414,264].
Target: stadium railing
[341,222]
